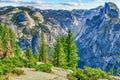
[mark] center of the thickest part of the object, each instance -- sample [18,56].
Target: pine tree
[28,54]
[58,56]
[17,51]
[12,40]
[43,56]
[7,41]
[63,41]
[1,47]
[71,51]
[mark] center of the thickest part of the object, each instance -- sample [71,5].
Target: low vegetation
[44,67]
[88,74]
[10,65]
[17,71]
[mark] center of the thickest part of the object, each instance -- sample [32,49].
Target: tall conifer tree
[71,51]
[12,40]
[58,56]
[43,56]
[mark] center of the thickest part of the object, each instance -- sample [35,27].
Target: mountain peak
[111,9]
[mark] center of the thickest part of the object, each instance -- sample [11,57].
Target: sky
[58,4]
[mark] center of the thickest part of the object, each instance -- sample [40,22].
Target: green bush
[1,72]
[10,64]
[88,74]
[4,69]
[71,77]
[30,64]
[44,67]
[17,71]
[13,62]
[7,65]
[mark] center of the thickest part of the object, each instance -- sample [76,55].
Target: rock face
[96,31]
[99,42]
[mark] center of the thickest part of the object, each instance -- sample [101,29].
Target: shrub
[17,71]
[72,77]
[30,64]
[7,65]
[44,67]
[4,69]
[1,72]
[88,74]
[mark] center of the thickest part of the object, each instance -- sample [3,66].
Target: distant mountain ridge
[96,31]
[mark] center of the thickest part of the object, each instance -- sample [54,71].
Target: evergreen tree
[63,41]
[7,50]
[17,51]
[12,40]
[28,54]
[1,47]
[7,42]
[36,56]
[58,56]
[43,56]
[71,51]
[65,52]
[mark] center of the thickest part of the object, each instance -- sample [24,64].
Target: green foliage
[7,42]
[28,54]
[4,69]
[8,46]
[9,64]
[65,52]
[59,55]
[12,39]
[36,56]
[43,56]
[12,62]
[30,64]
[17,51]
[88,74]
[71,51]
[17,71]
[44,67]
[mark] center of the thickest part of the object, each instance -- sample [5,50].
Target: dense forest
[64,56]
